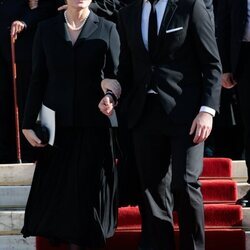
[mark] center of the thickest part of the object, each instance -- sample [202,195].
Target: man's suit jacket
[12,10]
[232,18]
[68,78]
[186,67]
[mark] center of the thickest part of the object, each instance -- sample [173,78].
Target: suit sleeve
[45,9]
[125,69]
[38,83]
[207,54]
[224,34]
[112,57]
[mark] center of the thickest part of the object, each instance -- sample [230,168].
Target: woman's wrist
[113,96]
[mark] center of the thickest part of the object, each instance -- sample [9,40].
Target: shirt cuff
[207,110]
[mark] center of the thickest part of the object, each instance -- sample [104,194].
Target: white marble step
[247,240]
[14,196]
[17,242]
[239,171]
[246,218]
[242,188]
[16,174]
[21,174]
[11,221]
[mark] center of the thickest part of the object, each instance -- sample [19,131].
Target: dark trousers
[7,117]
[243,79]
[169,165]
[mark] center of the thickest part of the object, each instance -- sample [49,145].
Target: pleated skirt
[73,196]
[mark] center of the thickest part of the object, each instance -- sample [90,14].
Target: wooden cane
[16,111]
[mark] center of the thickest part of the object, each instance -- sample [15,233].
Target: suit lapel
[167,17]
[89,28]
[60,28]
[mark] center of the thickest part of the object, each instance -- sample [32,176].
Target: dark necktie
[152,28]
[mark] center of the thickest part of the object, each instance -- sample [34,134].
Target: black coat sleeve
[45,9]
[224,33]
[125,69]
[208,55]
[112,57]
[38,83]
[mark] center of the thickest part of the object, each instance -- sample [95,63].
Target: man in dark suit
[170,77]
[16,17]
[234,46]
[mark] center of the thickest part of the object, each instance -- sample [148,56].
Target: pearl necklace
[70,26]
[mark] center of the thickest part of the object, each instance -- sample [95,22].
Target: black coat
[68,78]
[186,67]
[232,18]
[12,10]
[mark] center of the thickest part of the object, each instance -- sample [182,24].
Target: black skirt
[73,193]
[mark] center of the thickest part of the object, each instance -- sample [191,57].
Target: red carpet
[216,215]
[216,239]
[219,191]
[221,216]
[217,168]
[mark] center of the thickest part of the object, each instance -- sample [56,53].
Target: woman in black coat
[72,194]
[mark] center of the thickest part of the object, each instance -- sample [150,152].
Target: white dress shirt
[246,37]
[160,9]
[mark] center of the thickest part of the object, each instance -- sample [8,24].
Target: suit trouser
[243,78]
[7,117]
[169,165]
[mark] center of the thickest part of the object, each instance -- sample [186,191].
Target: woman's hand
[113,85]
[32,138]
[106,105]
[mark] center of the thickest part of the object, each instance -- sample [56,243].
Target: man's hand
[106,105]
[32,138]
[113,85]
[202,126]
[227,80]
[17,27]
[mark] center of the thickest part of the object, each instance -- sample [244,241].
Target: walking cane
[13,62]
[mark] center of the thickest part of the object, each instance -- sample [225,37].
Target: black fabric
[244,91]
[178,70]
[152,29]
[169,166]
[12,10]
[231,25]
[186,71]
[73,75]
[41,132]
[73,193]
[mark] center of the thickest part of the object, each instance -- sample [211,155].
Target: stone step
[21,174]
[14,196]
[246,218]
[239,171]
[247,240]
[242,188]
[17,242]
[16,174]
[11,221]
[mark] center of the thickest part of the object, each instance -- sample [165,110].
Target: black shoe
[245,200]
